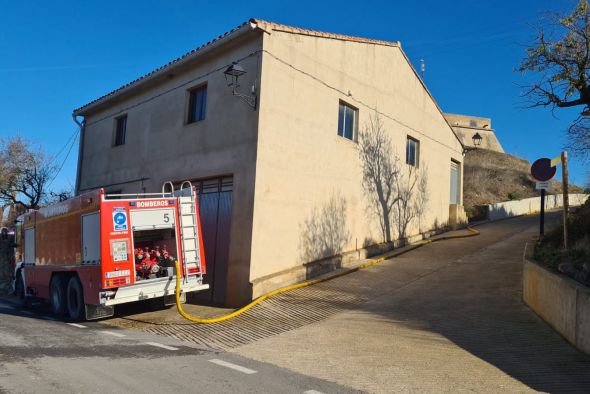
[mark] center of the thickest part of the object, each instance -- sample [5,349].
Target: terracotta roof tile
[297,30]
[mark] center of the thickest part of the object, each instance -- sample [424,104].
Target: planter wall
[562,302]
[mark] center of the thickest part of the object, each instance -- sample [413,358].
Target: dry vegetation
[575,260]
[492,177]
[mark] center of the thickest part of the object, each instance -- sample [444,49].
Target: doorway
[215,208]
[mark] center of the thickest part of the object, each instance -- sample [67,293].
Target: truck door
[91,238]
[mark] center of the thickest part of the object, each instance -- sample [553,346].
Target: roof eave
[141,82]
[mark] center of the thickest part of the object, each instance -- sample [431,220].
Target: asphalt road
[447,317]
[40,354]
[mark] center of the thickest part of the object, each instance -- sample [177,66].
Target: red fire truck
[89,253]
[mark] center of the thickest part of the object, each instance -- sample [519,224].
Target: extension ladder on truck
[191,253]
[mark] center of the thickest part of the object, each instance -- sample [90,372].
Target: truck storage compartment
[155,253]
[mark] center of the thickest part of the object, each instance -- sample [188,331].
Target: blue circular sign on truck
[120,218]
[542,170]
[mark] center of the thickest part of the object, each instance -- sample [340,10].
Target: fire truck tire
[75,297]
[19,291]
[57,294]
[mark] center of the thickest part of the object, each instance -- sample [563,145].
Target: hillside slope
[491,177]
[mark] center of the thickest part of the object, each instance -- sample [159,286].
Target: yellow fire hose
[472,232]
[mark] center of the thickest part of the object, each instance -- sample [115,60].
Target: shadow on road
[476,302]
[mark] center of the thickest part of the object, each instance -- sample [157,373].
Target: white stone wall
[530,205]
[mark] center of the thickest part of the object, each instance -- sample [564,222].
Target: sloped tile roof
[297,30]
[252,24]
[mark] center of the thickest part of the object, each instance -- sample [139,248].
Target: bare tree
[561,57]
[380,168]
[395,195]
[24,173]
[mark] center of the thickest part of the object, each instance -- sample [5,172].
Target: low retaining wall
[508,209]
[562,302]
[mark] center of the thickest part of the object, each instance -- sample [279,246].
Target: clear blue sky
[56,56]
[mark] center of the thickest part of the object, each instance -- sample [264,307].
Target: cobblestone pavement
[447,317]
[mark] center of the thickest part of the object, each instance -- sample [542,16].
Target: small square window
[347,121]
[412,152]
[120,130]
[197,104]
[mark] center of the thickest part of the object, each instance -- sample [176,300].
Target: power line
[64,160]
[359,101]
[74,134]
[171,89]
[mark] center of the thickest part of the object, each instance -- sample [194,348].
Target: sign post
[566,203]
[542,220]
[543,170]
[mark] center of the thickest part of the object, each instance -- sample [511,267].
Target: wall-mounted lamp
[232,75]
[477,138]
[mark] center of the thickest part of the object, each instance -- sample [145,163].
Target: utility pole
[564,175]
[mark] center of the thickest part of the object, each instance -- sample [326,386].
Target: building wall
[161,147]
[302,163]
[466,126]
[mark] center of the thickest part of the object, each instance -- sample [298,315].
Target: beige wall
[286,158]
[161,146]
[302,162]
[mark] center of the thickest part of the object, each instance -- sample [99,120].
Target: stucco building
[278,171]
[466,126]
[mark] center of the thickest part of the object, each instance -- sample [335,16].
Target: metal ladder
[189,235]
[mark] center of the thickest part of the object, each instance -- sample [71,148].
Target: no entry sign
[542,170]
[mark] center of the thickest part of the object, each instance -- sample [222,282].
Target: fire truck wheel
[76,307]
[19,291]
[57,294]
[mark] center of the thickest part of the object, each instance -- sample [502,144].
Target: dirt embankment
[492,177]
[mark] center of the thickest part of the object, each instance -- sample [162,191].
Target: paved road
[41,355]
[444,318]
[447,317]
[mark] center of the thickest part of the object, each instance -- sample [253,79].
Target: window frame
[416,142]
[355,111]
[190,104]
[116,140]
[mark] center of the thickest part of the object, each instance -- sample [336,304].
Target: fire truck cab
[89,253]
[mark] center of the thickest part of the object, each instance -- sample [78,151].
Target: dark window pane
[349,123]
[191,107]
[412,152]
[203,106]
[341,120]
[346,121]
[120,130]
[197,104]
